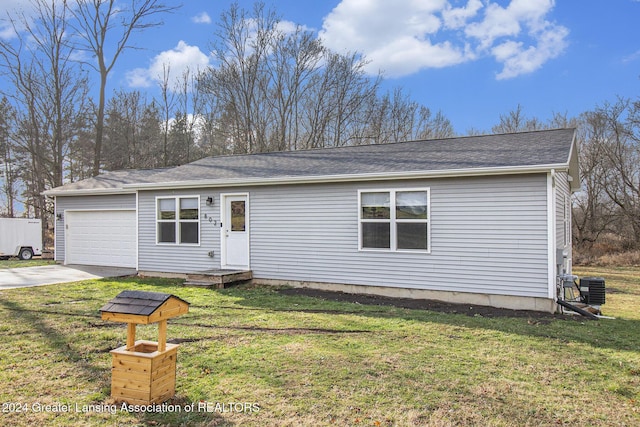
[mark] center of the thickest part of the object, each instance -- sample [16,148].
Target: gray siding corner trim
[563,232]
[559,191]
[551,235]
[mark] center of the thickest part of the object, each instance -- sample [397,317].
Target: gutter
[87,192]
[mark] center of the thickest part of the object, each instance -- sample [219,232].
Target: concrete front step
[203,284]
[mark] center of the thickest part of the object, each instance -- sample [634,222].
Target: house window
[178,220]
[395,220]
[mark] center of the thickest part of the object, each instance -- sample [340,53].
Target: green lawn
[16,263]
[255,357]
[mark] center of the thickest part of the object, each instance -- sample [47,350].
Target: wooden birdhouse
[144,372]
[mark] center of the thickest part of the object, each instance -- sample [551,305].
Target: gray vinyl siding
[563,201]
[488,235]
[178,258]
[121,201]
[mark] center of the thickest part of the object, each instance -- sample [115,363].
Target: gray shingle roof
[112,180]
[507,150]
[515,150]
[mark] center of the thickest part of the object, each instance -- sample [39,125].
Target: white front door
[235,231]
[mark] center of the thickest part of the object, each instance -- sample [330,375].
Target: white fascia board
[88,192]
[450,173]
[574,166]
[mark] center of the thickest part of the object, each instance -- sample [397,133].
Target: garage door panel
[101,238]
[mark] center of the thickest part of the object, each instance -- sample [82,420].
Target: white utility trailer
[21,237]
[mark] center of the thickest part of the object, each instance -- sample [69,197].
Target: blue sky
[471,59]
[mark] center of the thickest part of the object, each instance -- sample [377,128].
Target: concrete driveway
[51,274]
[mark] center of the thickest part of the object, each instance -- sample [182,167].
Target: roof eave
[319,179]
[88,192]
[574,164]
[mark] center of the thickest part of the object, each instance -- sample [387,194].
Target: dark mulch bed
[423,304]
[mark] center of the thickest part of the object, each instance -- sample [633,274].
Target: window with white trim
[395,220]
[178,220]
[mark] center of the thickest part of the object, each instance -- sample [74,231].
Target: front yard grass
[253,356]
[17,263]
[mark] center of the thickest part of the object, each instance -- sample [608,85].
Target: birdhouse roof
[143,307]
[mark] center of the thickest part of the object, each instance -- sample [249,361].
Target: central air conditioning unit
[589,299]
[592,290]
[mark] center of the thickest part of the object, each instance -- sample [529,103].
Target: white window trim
[393,221]
[177,221]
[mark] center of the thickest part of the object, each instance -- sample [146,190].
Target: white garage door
[101,238]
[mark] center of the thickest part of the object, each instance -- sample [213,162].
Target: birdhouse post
[144,372]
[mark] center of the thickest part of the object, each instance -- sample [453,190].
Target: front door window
[238,217]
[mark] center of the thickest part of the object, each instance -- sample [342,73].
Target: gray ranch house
[479,220]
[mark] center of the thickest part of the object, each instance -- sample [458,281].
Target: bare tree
[279,89]
[349,91]
[149,134]
[620,147]
[120,132]
[190,99]
[49,90]
[432,126]
[168,101]
[390,118]
[513,121]
[242,47]
[8,160]
[133,132]
[297,57]
[593,212]
[395,117]
[100,20]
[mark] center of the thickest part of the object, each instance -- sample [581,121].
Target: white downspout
[551,234]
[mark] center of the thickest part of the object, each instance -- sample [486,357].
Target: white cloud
[15,8]
[202,18]
[6,32]
[14,5]
[139,77]
[178,60]
[405,37]
[632,57]
[457,17]
[519,36]
[550,44]
[394,37]
[289,27]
